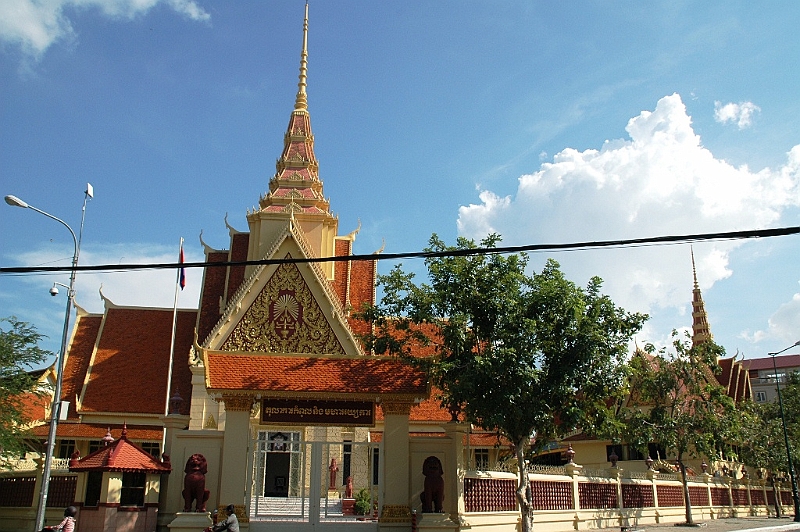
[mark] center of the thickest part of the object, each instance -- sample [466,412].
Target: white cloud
[783,324]
[127,288]
[740,113]
[660,181]
[34,25]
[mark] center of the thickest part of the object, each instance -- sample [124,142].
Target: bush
[363,504]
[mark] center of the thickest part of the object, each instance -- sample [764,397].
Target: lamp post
[785,436]
[55,410]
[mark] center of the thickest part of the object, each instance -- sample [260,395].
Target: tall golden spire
[295,192]
[301,102]
[700,330]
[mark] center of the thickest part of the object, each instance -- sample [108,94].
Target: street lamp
[785,436]
[56,406]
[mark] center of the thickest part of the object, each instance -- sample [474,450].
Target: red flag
[183,270]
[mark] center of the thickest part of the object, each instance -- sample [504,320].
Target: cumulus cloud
[783,324]
[740,113]
[34,25]
[659,181]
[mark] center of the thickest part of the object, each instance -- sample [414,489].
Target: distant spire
[301,102]
[700,330]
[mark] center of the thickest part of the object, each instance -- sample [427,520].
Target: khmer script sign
[318,412]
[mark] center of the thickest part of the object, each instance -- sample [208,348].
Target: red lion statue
[194,483]
[433,493]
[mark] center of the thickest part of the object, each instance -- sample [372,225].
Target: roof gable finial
[301,102]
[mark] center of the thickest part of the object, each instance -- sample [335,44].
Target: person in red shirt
[68,524]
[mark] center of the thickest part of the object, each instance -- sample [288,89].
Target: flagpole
[172,343]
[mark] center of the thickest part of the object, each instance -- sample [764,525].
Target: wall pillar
[454,475]
[396,510]
[235,449]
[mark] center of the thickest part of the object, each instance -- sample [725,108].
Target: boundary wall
[571,498]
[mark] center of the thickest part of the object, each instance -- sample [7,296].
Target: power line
[531,248]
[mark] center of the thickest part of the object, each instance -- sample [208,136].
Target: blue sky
[545,122]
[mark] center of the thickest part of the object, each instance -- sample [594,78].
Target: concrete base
[190,522]
[435,522]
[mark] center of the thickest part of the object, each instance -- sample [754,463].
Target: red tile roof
[783,361]
[366,376]
[239,244]
[132,358]
[214,280]
[341,270]
[96,431]
[33,407]
[121,456]
[77,362]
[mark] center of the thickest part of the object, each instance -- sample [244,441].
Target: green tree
[760,440]
[678,403]
[19,353]
[531,356]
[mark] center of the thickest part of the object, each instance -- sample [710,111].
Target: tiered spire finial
[301,102]
[700,330]
[296,188]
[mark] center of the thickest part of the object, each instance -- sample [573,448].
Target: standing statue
[433,490]
[333,468]
[194,483]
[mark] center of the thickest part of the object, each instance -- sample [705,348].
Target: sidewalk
[739,524]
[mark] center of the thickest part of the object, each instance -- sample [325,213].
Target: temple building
[266,396]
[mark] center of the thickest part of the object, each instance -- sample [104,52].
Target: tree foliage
[524,354]
[761,442]
[678,403]
[19,353]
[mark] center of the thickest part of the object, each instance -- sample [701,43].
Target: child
[68,524]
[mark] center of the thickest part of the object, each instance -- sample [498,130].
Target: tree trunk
[523,490]
[686,500]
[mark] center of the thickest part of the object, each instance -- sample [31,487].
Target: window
[132,489]
[65,448]
[761,397]
[347,460]
[628,452]
[152,448]
[375,465]
[95,445]
[481,459]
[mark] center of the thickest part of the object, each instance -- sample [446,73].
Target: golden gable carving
[284,318]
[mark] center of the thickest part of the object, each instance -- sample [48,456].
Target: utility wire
[531,248]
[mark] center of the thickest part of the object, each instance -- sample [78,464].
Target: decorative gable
[284,318]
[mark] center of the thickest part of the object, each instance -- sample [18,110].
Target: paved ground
[740,524]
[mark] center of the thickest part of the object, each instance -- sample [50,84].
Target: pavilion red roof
[121,456]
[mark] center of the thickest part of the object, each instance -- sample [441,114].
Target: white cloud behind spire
[659,181]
